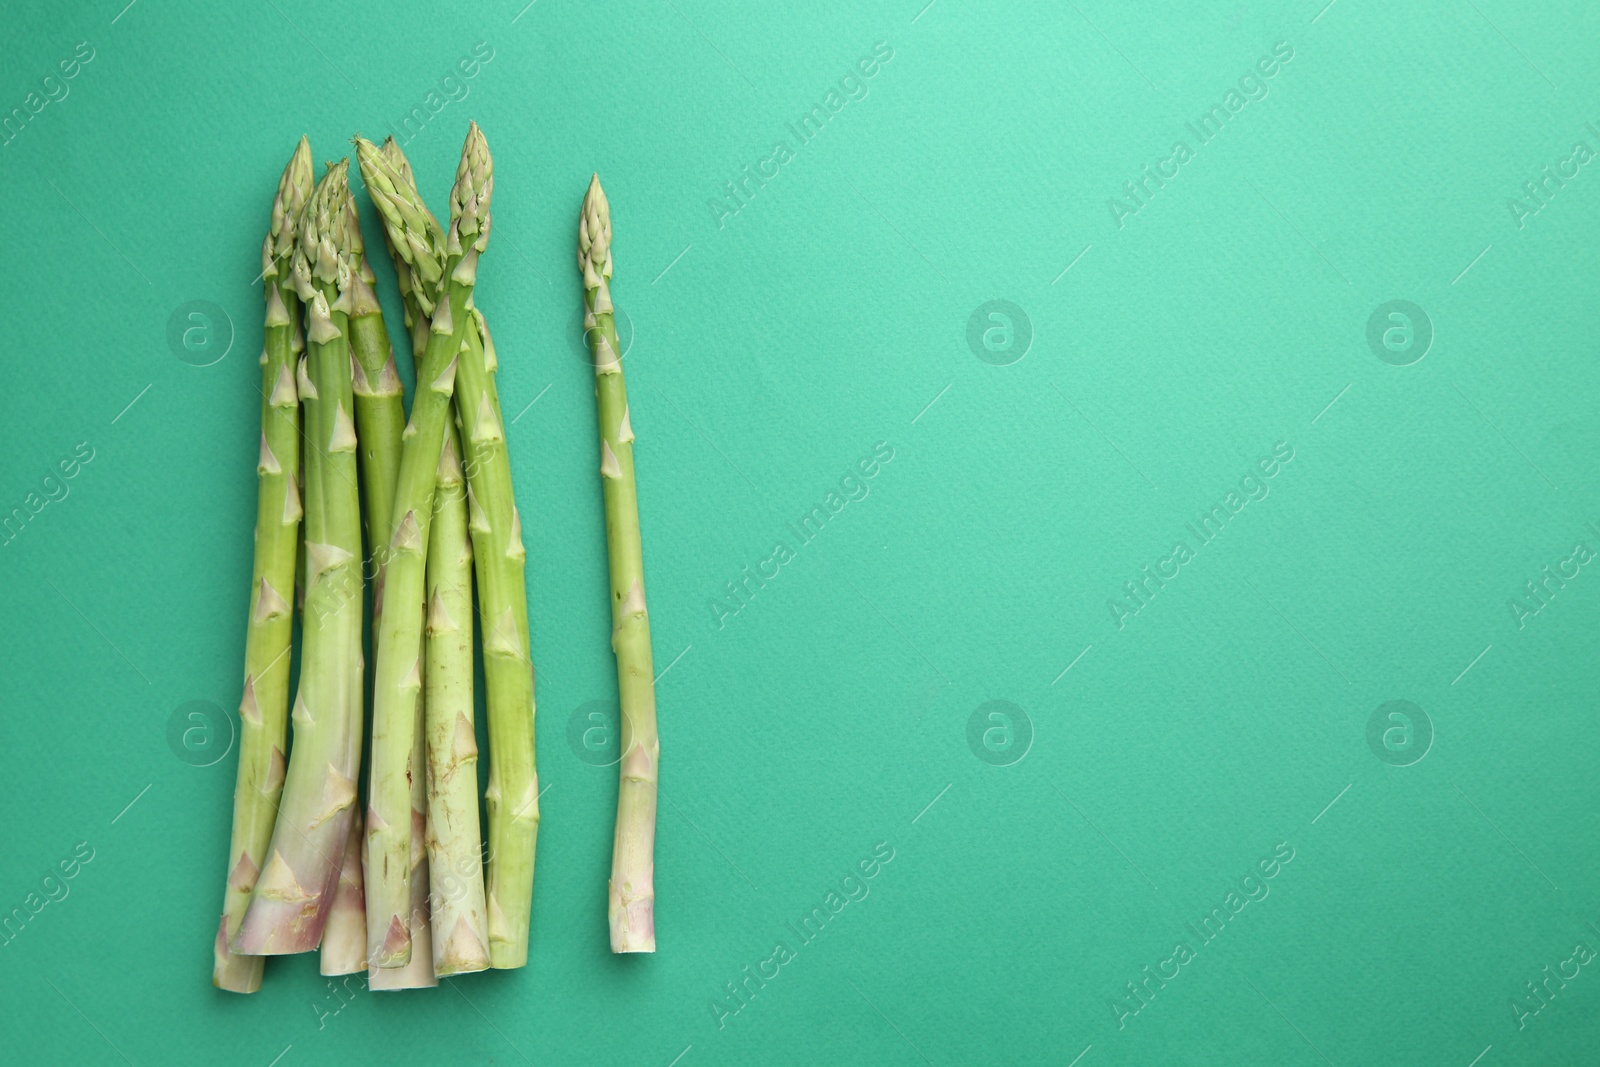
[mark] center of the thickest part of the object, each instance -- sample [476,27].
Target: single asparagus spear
[512,798]
[380,408]
[380,416]
[264,711]
[414,303]
[445,277]
[344,938]
[417,973]
[290,904]
[632,893]
[455,843]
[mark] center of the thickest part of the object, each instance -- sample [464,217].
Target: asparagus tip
[594,234]
[471,195]
[288,206]
[327,246]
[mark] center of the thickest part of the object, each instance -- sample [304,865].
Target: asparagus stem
[416,321]
[416,973]
[631,906]
[380,417]
[290,904]
[444,280]
[512,798]
[455,844]
[344,938]
[380,409]
[264,710]
[414,302]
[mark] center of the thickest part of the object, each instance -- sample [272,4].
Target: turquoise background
[772,352]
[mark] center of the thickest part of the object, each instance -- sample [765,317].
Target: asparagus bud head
[469,199]
[294,189]
[415,236]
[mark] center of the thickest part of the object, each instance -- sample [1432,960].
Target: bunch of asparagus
[403,889]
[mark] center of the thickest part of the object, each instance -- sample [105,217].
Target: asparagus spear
[632,891]
[512,798]
[413,302]
[444,280]
[455,844]
[416,973]
[457,905]
[264,711]
[380,416]
[416,321]
[290,904]
[344,938]
[380,407]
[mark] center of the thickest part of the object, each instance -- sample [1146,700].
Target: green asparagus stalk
[512,798]
[413,302]
[344,938]
[380,417]
[416,321]
[631,906]
[264,711]
[455,843]
[380,408]
[416,973]
[444,277]
[290,904]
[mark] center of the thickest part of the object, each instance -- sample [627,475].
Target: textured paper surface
[941,677]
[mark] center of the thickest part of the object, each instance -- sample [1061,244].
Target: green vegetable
[512,798]
[380,408]
[380,417]
[416,973]
[455,844]
[413,301]
[379,397]
[290,904]
[443,281]
[631,907]
[264,711]
[344,937]
[496,534]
